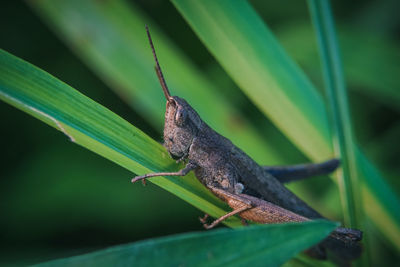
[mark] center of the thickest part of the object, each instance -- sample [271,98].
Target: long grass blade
[338,106]
[335,89]
[223,247]
[96,128]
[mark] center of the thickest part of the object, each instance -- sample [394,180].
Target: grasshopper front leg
[189,167]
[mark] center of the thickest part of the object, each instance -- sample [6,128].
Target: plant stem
[339,110]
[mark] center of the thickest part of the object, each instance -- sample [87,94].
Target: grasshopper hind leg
[220,219]
[241,205]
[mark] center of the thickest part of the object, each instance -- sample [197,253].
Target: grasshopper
[254,192]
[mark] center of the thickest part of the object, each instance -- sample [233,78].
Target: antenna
[158,68]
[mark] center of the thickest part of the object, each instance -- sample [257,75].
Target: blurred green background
[58,199]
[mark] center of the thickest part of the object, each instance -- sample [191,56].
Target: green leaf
[250,54]
[263,245]
[98,129]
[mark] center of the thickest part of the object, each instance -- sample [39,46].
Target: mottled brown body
[254,192]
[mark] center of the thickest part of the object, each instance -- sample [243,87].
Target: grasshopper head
[182,123]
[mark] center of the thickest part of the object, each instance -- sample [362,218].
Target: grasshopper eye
[180,116]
